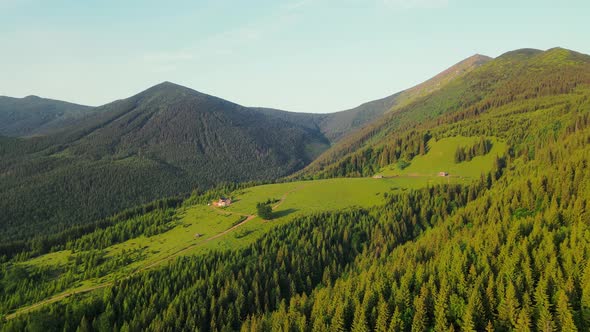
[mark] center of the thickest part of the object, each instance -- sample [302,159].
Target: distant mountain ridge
[40,116]
[172,122]
[33,115]
[519,75]
[163,141]
[399,102]
[169,140]
[336,126]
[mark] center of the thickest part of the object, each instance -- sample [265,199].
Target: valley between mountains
[460,203]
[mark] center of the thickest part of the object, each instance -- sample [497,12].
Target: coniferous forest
[505,250]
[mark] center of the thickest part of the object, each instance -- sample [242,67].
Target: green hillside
[441,158]
[167,140]
[517,87]
[154,238]
[500,243]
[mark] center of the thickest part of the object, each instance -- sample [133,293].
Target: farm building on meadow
[443,174]
[222,202]
[377,176]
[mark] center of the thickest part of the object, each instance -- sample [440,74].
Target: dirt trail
[59,297]
[282,199]
[110,283]
[56,298]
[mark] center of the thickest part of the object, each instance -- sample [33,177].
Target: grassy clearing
[296,198]
[441,158]
[214,225]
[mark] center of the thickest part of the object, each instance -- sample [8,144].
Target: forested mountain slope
[164,141]
[517,76]
[37,116]
[507,251]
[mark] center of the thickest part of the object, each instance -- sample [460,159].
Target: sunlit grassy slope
[216,230]
[441,158]
[295,198]
[201,228]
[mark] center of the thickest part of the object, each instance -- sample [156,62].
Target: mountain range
[33,115]
[459,204]
[70,164]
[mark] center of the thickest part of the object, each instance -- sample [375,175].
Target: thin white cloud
[225,43]
[222,44]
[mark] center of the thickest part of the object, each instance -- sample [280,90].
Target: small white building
[222,202]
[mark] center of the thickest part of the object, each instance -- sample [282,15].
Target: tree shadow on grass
[283,213]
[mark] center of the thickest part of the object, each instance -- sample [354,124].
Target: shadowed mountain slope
[164,141]
[33,115]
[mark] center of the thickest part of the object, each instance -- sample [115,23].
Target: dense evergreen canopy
[509,251]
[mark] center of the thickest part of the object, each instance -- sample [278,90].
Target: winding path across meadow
[62,296]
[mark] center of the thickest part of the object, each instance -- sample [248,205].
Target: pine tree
[585,298]
[523,322]
[545,321]
[84,325]
[382,317]
[564,315]
[508,307]
[420,320]
[440,308]
[396,324]
[337,323]
[468,323]
[359,322]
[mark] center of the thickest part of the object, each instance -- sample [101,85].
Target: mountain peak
[170,90]
[479,57]
[167,85]
[472,61]
[523,52]
[32,97]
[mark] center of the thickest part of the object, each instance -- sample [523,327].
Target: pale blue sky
[299,55]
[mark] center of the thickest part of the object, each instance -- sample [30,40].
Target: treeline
[481,148]
[126,224]
[47,243]
[489,267]
[148,225]
[368,161]
[25,284]
[219,291]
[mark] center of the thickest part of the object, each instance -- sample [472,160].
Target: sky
[298,55]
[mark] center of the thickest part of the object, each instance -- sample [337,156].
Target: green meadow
[201,228]
[295,198]
[441,158]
